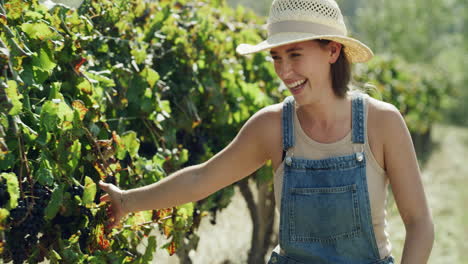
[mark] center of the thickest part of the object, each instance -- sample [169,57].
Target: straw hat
[293,21]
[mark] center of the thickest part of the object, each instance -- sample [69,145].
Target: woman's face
[304,67]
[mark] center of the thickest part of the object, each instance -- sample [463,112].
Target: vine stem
[148,223]
[24,163]
[98,150]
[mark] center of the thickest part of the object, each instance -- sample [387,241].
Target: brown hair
[340,71]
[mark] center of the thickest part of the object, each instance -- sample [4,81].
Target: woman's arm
[245,154]
[405,178]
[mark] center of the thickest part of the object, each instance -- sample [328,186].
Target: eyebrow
[287,51]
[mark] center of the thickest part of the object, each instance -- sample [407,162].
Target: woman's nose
[285,70]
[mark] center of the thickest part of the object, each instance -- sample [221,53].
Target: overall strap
[358,118]
[288,124]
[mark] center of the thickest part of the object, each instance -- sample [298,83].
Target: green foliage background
[129,91]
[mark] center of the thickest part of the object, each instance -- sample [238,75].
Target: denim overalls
[325,209]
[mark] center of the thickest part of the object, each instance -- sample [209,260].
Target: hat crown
[322,12]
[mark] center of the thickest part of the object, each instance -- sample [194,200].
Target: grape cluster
[70,224]
[26,221]
[76,190]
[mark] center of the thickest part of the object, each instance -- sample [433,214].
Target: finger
[104,186]
[105,198]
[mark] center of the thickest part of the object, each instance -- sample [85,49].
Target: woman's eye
[295,55]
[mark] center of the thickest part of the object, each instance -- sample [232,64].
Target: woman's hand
[115,211]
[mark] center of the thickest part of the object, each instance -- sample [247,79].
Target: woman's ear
[335,49]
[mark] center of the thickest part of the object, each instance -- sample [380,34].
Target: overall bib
[325,208]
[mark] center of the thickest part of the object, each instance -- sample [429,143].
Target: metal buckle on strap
[360,154]
[288,159]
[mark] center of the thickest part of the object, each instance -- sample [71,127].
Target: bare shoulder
[383,115]
[271,113]
[266,125]
[267,122]
[385,121]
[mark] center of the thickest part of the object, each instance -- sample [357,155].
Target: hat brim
[355,50]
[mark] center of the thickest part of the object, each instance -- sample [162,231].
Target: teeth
[297,83]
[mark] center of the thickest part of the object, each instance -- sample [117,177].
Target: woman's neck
[326,113]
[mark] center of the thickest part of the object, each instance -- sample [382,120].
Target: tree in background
[261,7]
[431,33]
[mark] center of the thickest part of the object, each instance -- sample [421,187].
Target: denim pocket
[324,214]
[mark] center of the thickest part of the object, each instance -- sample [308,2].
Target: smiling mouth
[296,85]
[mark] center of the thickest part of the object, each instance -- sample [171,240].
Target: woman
[334,152]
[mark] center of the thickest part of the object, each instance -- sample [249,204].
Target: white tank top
[377,180]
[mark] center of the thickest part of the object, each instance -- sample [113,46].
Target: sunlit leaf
[131,142]
[150,75]
[43,61]
[165,107]
[185,211]
[38,31]
[75,154]
[14,8]
[4,213]
[12,188]
[168,227]
[85,86]
[14,96]
[89,191]
[80,107]
[54,256]
[54,113]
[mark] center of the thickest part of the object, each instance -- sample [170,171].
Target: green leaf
[14,96]
[38,31]
[150,249]
[49,116]
[15,8]
[85,87]
[89,191]
[101,78]
[54,256]
[45,176]
[43,138]
[54,92]
[185,211]
[165,106]
[12,187]
[4,213]
[54,203]
[150,75]
[75,154]
[131,142]
[43,61]
[8,161]
[54,114]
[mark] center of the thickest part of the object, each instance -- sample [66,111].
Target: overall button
[359,157]
[288,161]
[274,259]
